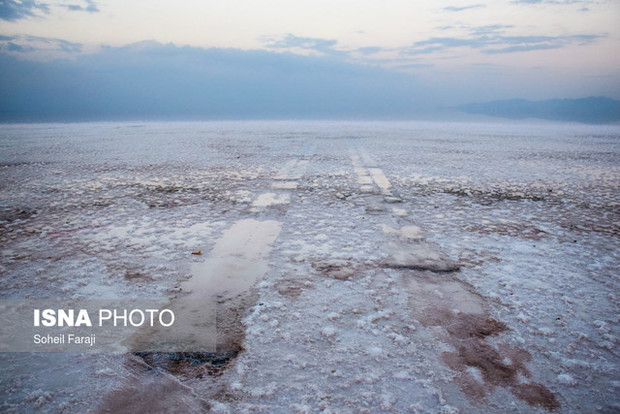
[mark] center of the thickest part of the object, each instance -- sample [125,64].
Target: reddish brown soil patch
[480,366]
[335,269]
[290,287]
[502,367]
[536,394]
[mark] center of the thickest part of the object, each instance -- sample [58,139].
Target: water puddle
[210,314]
[237,261]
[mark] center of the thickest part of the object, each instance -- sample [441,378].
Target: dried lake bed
[352,266]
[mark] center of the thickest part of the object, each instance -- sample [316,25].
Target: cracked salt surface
[358,306]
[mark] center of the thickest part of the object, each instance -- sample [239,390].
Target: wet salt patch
[545,331]
[341,363]
[387,401]
[401,212]
[567,380]
[301,409]
[475,373]
[271,199]
[406,232]
[365,182]
[402,375]
[375,351]
[285,185]
[106,372]
[380,179]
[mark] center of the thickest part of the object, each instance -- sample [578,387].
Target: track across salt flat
[369,174]
[286,179]
[437,299]
[414,293]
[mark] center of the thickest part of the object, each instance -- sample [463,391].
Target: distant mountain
[592,110]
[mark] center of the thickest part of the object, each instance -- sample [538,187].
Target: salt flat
[355,266]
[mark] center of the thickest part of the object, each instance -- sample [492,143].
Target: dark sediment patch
[479,365]
[519,230]
[467,325]
[188,365]
[137,276]
[209,339]
[453,267]
[290,287]
[489,196]
[419,257]
[335,269]
[609,228]
[192,377]
[536,394]
[501,367]
[11,214]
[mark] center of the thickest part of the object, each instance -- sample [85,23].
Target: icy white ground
[357,267]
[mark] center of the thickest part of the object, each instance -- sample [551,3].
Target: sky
[289,58]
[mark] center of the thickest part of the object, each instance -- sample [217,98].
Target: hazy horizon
[313,60]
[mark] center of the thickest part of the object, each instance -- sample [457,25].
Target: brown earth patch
[502,367]
[291,288]
[536,394]
[137,276]
[480,367]
[335,269]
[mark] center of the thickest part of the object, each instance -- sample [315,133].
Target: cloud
[440,43]
[560,2]
[291,40]
[149,80]
[488,30]
[89,6]
[292,43]
[14,47]
[26,44]
[462,8]
[528,43]
[12,10]
[523,48]
[493,40]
